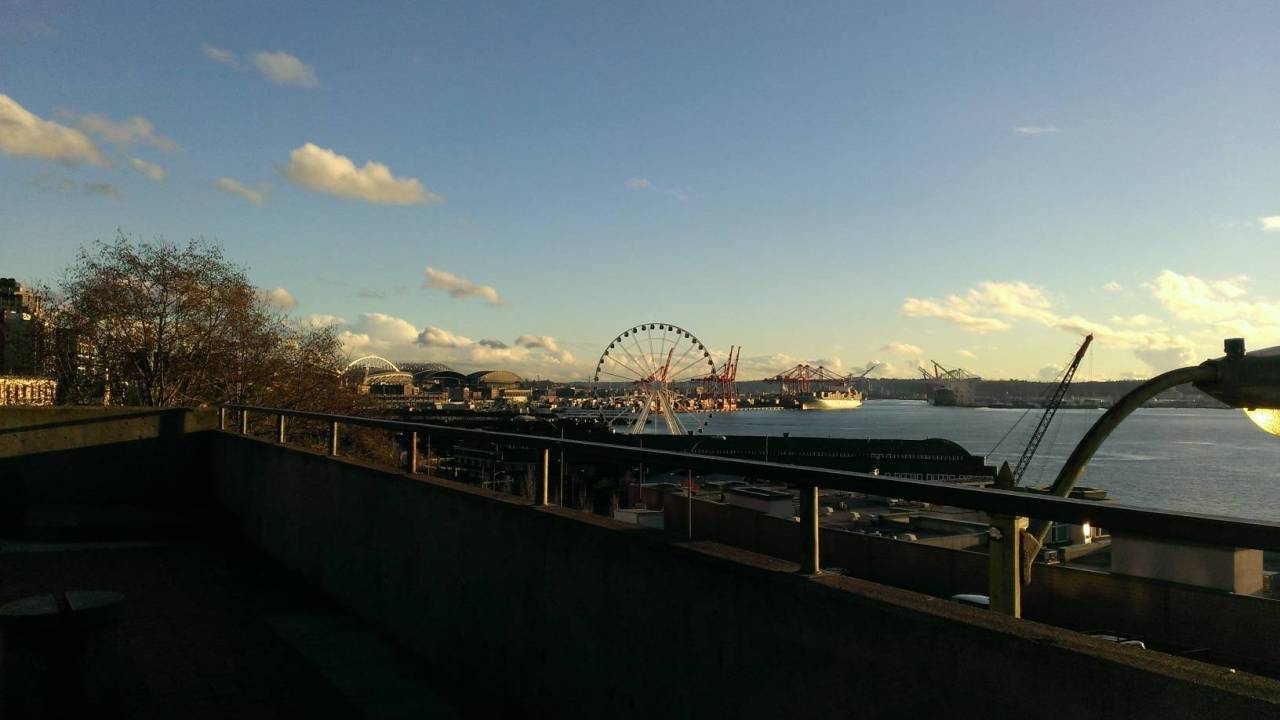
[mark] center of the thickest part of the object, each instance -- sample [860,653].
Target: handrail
[1187,527]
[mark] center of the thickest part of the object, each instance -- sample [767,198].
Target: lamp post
[1247,381]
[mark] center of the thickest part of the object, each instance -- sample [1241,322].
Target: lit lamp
[1248,381]
[1267,419]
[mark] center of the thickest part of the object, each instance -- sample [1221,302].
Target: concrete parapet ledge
[581,615]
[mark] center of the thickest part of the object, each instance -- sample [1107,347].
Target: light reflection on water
[1206,461]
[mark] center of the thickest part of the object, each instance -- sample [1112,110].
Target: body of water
[1194,460]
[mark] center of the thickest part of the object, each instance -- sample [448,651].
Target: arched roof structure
[389,378]
[494,377]
[372,363]
[439,377]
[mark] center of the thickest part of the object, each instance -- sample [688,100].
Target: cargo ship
[831,400]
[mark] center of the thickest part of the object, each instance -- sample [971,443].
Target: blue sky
[973,183]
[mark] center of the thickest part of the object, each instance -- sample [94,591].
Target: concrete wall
[79,456]
[1237,570]
[1180,616]
[576,615]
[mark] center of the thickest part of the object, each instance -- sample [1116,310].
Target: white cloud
[24,134]
[975,309]
[1161,359]
[1135,321]
[378,333]
[280,298]
[892,369]
[1220,304]
[323,170]
[1113,286]
[398,340]
[282,68]
[433,336]
[1035,129]
[320,320]
[459,287]
[219,55]
[545,342]
[127,132]
[915,307]
[966,353]
[1270,223]
[987,306]
[637,183]
[151,171]
[234,187]
[902,348]
[1049,373]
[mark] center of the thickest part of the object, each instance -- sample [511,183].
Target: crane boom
[1050,409]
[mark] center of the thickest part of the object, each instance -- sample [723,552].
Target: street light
[1248,381]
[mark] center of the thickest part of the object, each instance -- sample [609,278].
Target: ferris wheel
[650,372]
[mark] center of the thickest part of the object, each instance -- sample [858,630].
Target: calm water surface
[1206,461]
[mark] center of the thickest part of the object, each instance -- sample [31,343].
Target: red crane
[803,378]
[724,381]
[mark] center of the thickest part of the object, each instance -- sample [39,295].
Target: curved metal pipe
[1089,444]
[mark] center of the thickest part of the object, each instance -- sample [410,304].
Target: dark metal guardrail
[1183,527]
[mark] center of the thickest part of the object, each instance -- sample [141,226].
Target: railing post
[280,429]
[411,463]
[811,563]
[545,479]
[1004,546]
[222,418]
[244,422]
[333,437]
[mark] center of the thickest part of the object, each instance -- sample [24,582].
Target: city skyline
[979,186]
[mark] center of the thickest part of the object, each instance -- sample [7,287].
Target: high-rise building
[17,297]
[21,329]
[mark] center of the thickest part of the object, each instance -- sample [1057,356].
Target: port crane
[802,378]
[942,374]
[950,387]
[861,374]
[1050,409]
[725,380]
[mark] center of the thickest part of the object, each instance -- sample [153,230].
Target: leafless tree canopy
[158,324]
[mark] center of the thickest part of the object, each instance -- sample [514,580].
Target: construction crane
[1050,409]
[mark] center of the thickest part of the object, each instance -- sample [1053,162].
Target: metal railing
[1177,526]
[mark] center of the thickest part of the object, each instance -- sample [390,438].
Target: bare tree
[157,324]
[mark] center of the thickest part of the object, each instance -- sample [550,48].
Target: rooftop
[269,579]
